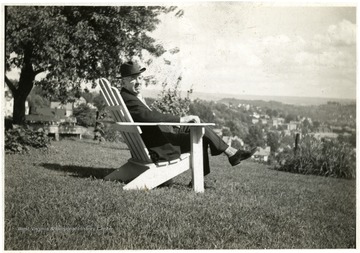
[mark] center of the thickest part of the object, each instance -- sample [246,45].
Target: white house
[68,107]
[256,115]
[293,125]
[229,139]
[254,120]
[262,154]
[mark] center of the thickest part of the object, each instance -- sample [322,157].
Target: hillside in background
[331,112]
[282,99]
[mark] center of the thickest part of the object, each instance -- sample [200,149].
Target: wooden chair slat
[126,112]
[142,152]
[139,170]
[105,92]
[131,135]
[120,113]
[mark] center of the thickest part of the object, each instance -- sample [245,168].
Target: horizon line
[254,95]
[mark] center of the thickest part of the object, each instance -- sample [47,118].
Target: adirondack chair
[139,171]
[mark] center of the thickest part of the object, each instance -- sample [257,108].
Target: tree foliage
[255,137]
[84,115]
[204,111]
[74,44]
[273,140]
[99,102]
[170,100]
[37,98]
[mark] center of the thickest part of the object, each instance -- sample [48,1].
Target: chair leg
[157,175]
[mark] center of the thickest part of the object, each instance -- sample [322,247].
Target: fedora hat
[130,68]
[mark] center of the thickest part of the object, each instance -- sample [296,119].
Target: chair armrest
[134,127]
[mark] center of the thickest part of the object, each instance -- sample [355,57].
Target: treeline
[332,113]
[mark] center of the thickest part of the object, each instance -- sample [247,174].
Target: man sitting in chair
[166,143]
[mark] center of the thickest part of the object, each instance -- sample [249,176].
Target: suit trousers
[181,137]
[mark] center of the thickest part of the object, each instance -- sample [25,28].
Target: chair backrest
[120,113]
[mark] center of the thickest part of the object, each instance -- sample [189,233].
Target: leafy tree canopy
[74,44]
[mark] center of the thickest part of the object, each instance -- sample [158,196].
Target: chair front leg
[196,134]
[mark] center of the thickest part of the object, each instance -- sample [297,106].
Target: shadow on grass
[100,173]
[79,171]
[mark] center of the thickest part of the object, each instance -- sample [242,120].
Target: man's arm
[140,113]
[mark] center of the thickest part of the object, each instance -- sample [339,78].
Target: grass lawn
[57,200]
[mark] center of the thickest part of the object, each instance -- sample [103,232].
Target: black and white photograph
[186,125]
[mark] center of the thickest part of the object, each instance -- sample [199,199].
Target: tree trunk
[26,83]
[19,110]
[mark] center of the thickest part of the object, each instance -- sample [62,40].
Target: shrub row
[330,158]
[20,138]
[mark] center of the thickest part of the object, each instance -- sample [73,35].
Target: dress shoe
[241,155]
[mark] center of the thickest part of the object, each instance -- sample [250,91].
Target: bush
[329,158]
[20,138]
[236,144]
[110,133]
[8,123]
[170,100]
[85,116]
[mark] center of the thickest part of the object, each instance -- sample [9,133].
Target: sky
[253,48]
[258,48]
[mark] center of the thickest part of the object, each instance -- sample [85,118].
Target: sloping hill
[56,200]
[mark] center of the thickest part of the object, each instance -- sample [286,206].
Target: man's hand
[190,118]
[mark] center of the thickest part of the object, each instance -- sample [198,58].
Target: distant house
[277,122]
[57,113]
[262,155]
[274,123]
[229,139]
[47,115]
[284,126]
[293,125]
[68,107]
[245,106]
[218,131]
[255,120]
[264,121]
[256,115]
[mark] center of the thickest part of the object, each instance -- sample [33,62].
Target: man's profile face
[133,83]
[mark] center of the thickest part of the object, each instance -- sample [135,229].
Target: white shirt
[140,97]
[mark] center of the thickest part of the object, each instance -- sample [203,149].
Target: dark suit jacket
[159,146]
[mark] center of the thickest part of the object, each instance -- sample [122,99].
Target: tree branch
[10,85]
